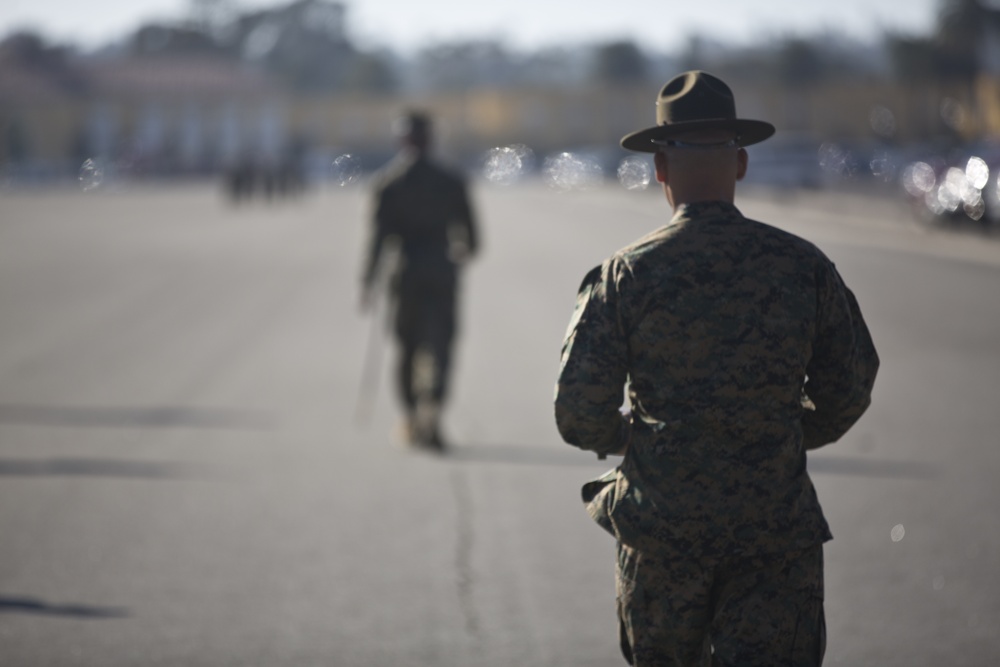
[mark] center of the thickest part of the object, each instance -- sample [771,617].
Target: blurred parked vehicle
[959,187]
[787,161]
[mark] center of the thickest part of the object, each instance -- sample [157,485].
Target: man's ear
[660,163]
[742,158]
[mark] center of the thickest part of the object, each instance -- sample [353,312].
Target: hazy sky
[407,24]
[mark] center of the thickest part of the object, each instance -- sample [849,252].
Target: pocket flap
[599,497]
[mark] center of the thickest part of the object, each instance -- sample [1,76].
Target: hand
[623,448]
[460,253]
[627,426]
[367,301]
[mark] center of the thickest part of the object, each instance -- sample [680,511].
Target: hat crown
[692,102]
[694,96]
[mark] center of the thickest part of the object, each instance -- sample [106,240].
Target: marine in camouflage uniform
[739,348]
[424,209]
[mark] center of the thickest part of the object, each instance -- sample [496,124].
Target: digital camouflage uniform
[425,209]
[719,326]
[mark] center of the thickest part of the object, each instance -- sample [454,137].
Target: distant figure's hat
[412,123]
[696,101]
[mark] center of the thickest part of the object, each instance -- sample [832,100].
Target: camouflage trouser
[425,329]
[765,610]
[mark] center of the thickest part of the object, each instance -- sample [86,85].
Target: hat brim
[748,131]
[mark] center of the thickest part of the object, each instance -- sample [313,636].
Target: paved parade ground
[186,478]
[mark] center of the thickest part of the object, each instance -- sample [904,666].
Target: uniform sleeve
[467,216]
[594,368]
[841,373]
[378,233]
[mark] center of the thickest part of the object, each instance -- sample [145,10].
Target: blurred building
[160,116]
[286,85]
[181,115]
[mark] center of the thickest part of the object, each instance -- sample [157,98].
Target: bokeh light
[505,165]
[977,172]
[836,160]
[91,175]
[951,192]
[975,210]
[933,203]
[634,173]
[883,167]
[883,121]
[569,171]
[953,113]
[919,179]
[346,170]
[962,188]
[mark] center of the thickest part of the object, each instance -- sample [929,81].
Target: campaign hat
[691,102]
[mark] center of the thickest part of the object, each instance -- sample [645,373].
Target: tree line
[306,47]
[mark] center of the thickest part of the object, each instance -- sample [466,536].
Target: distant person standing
[740,348]
[424,209]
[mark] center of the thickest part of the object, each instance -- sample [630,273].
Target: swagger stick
[368,389]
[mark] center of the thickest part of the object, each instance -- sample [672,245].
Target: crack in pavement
[464,542]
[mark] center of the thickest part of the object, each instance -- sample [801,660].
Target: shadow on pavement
[127,417]
[524,455]
[88,468]
[539,455]
[861,467]
[17,605]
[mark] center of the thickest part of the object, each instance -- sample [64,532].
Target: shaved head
[700,166]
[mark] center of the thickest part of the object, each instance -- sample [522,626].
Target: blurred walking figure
[424,210]
[740,348]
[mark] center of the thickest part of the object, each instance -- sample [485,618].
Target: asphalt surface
[184,478]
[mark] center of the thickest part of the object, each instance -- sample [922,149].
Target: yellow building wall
[545,119]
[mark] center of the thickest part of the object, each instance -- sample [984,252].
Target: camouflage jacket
[426,209]
[717,327]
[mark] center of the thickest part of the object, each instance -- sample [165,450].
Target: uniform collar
[705,209]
